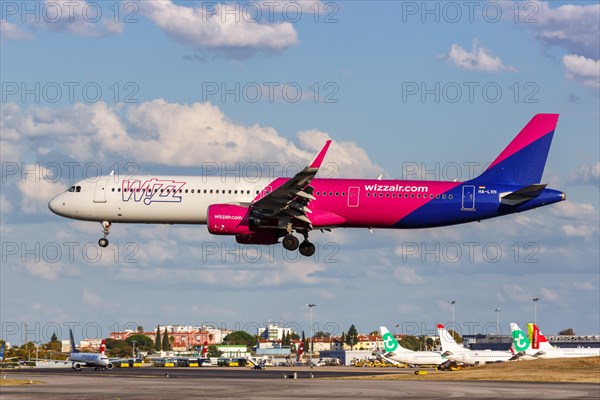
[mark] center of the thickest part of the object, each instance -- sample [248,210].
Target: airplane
[264,210]
[97,360]
[535,345]
[457,353]
[397,353]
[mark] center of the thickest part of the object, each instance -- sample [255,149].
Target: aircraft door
[468,198]
[353,196]
[100,192]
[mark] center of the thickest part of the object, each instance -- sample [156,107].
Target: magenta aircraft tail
[522,161]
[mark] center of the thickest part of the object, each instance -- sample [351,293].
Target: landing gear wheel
[290,242]
[103,242]
[307,249]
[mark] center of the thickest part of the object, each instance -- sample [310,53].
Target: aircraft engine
[228,219]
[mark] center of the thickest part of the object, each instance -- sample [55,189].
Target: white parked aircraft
[535,345]
[398,353]
[458,353]
[97,360]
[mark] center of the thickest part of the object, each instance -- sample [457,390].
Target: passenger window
[331,193]
[118,189]
[337,193]
[211,191]
[113,189]
[368,194]
[450,196]
[343,194]
[230,192]
[387,195]
[412,195]
[443,196]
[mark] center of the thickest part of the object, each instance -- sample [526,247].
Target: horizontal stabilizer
[522,195]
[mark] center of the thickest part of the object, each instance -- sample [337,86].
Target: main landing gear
[103,242]
[291,243]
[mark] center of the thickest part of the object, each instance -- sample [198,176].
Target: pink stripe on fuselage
[539,126]
[381,208]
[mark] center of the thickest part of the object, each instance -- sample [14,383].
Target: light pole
[452,302]
[535,300]
[310,307]
[497,309]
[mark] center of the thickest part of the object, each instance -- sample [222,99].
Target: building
[271,348]
[273,332]
[233,351]
[181,339]
[347,357]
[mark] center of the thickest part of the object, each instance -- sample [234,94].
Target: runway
[152,383]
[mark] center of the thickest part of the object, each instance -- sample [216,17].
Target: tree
[118,348]
[457,338]
[157,346]
[140,329]
[352,337]
[568,332]
[322,334]
[165,341]
[54,338]
[293,336]
[411,343]
[343,339]
[213,351]
[142,342]
[240,337]
[284,339]
[305,343]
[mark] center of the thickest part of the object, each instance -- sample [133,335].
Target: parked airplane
[457,353]
[398,353]
[535,345]
[97,360]
[263,211]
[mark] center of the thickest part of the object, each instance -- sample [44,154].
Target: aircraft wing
[290,200]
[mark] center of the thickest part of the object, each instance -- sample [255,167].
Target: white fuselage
[90,359]
[155,199]
[418,357]
[564,353]
[472,357]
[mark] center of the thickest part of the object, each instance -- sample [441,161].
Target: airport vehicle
[457,353]
[398,353]
[99,361]
[263,211]
[535,345]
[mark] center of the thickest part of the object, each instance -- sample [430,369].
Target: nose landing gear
[103,242]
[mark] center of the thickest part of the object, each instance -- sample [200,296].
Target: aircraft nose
[55,205]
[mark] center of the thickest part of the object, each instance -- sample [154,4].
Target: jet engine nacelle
[228,219]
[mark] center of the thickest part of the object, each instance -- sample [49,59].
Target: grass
[18,382]
[580,370]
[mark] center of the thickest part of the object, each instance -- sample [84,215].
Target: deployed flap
[522,195]
[291,198]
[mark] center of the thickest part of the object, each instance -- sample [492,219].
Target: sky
[407,90]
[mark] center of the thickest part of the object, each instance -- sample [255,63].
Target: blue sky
[360,67]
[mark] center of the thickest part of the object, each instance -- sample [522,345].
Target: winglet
[316,162]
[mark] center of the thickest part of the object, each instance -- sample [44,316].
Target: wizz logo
[152,190]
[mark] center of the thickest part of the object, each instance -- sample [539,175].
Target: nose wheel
[103,242]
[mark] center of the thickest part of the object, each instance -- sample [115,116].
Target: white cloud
[582,69]
[549,294]
[408,276]
[585,231]
[586,175]
[79,18]
[584,286]
[225,26]
[159,132]
[35,190]
[574,27]
[13,32]
[478,59]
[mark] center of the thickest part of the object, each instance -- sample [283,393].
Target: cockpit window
[78,189]
[74,189]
